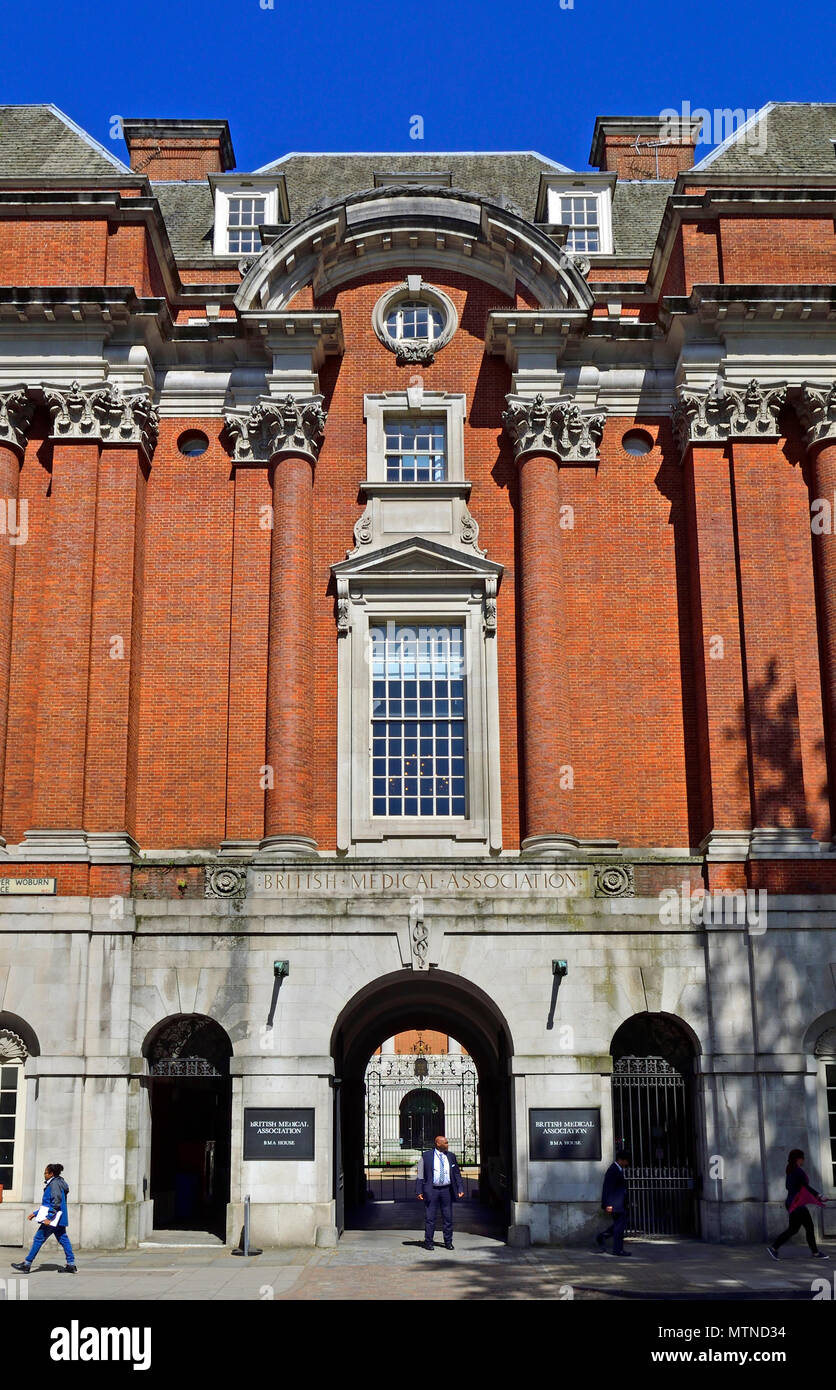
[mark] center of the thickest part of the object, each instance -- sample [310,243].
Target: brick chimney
[644,147]
[178,149]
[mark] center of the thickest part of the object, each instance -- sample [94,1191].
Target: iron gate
[652,1119]
[391,1081]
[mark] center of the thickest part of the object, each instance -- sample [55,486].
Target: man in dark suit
[439,1185]
[614,1203]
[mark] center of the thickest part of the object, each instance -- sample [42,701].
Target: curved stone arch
[820,1037]
[19,1028]
[383,230]
[661,1022]
[184,1036]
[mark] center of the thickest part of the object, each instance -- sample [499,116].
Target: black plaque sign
[564,1134]
[279,1134]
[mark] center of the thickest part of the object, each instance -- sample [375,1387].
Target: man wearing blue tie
[439,1185]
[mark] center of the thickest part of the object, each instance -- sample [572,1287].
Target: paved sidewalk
[381,1265]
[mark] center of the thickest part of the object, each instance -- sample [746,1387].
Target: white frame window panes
[246,212]
[580,212]
[416,449]
[414,320]
[11,1125]
[418,721]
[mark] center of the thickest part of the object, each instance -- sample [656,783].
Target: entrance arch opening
[191,1111]
[653,1117]
[428,1001]
[421,1119]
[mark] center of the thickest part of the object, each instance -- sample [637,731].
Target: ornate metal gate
[652,1118]
[452,1080]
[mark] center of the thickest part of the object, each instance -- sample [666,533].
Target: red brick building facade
[216,493]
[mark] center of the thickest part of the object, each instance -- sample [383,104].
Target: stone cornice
[100,412]
[726,412]
[816,409]
[293,425]
[557,427]
[16,407]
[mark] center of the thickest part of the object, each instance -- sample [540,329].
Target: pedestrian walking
[52,1220]
[439,1186]
[614,1203]
[801,1195]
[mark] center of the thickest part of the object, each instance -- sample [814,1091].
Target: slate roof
[40,140]
[786,137]
[188,211]
[637,210]
[326,178]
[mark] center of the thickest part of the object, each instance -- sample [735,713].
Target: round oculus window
[637,442]
[193,443]
[415,320]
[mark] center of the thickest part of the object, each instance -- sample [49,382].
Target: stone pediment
[416,556]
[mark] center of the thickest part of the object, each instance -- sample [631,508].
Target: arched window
[13,1054]
[413,319]
[825,1051]
[422,1118]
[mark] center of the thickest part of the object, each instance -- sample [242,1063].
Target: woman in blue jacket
[55,1199]
[796,1179]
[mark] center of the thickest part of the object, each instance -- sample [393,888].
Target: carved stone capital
[295,425]
[816,408]
[16,408]
[101,412]
[727,412]
[558,427]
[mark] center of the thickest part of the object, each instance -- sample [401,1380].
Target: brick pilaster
[15,418]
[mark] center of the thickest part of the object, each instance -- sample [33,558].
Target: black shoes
[23,1267]
[450,1246]
[599,1241]
[770,1250]
[428,1245]
[68,1269]
[623,1254]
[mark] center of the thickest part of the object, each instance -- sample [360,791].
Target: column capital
[555,426]
[294,425]
[816,409]
[16,407]
[726,412]
[100,413]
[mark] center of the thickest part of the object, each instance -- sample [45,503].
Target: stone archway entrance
[438,1000]
[191,1105]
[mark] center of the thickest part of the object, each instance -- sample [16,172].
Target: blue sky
[326,76]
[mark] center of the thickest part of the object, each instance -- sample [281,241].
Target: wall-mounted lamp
[560,967]
[281,967]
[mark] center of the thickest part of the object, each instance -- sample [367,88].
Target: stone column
[817,412]
[545,434]
[15,418]
[287,436]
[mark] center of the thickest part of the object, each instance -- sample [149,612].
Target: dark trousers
[616,1230]
[798,1218]
[441,1197]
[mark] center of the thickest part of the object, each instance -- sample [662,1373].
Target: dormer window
[243,205]
[244,217]
[580,213]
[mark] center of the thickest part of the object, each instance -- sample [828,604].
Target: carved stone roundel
[12,1048]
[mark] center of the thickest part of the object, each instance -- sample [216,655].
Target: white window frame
[559,189]
[413,404]
[269,193]
[15,1194]
[357,828]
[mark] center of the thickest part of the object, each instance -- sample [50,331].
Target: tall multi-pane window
[415,321]
[419,721]
[415,451]
[245,215]
[830,1083]
[579,212]
[10,1079]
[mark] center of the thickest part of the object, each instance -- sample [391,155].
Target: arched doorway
[421,1119]
[191,1108]
[653,1117]
[423,1000]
